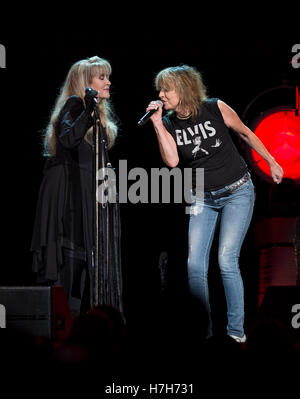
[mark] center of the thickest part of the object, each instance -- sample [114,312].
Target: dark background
[38,60]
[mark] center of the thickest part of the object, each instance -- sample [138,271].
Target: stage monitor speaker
[282,303]
[38,311]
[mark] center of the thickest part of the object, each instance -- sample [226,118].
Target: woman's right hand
[89,99]
[157,116]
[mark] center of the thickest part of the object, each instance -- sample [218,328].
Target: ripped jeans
[234,211]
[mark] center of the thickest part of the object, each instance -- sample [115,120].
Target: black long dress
[63,241]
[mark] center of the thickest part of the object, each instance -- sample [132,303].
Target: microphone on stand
[93,93]
[148,114]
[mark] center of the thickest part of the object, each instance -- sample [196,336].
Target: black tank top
[206,143]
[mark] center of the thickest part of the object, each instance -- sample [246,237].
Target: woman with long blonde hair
[63,233]
[81,76]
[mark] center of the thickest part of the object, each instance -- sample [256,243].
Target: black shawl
[66,210]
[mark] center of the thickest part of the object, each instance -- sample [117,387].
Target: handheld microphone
[93,93]
[148,114]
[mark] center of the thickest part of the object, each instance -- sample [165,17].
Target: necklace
[183,117]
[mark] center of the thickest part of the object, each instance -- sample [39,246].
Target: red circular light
[280,133]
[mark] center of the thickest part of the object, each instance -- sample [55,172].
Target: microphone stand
[100,257]
[106,263]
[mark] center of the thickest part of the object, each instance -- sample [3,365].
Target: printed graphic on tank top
[205,142]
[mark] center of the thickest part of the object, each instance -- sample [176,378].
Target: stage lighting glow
[279,130]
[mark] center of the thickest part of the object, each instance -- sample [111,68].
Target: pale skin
[101,84]
[167,145]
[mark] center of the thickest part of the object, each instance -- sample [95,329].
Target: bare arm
[167,145]
[232,121]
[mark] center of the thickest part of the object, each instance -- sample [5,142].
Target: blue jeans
[234,211]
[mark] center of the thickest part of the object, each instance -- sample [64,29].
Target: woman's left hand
[276,172]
